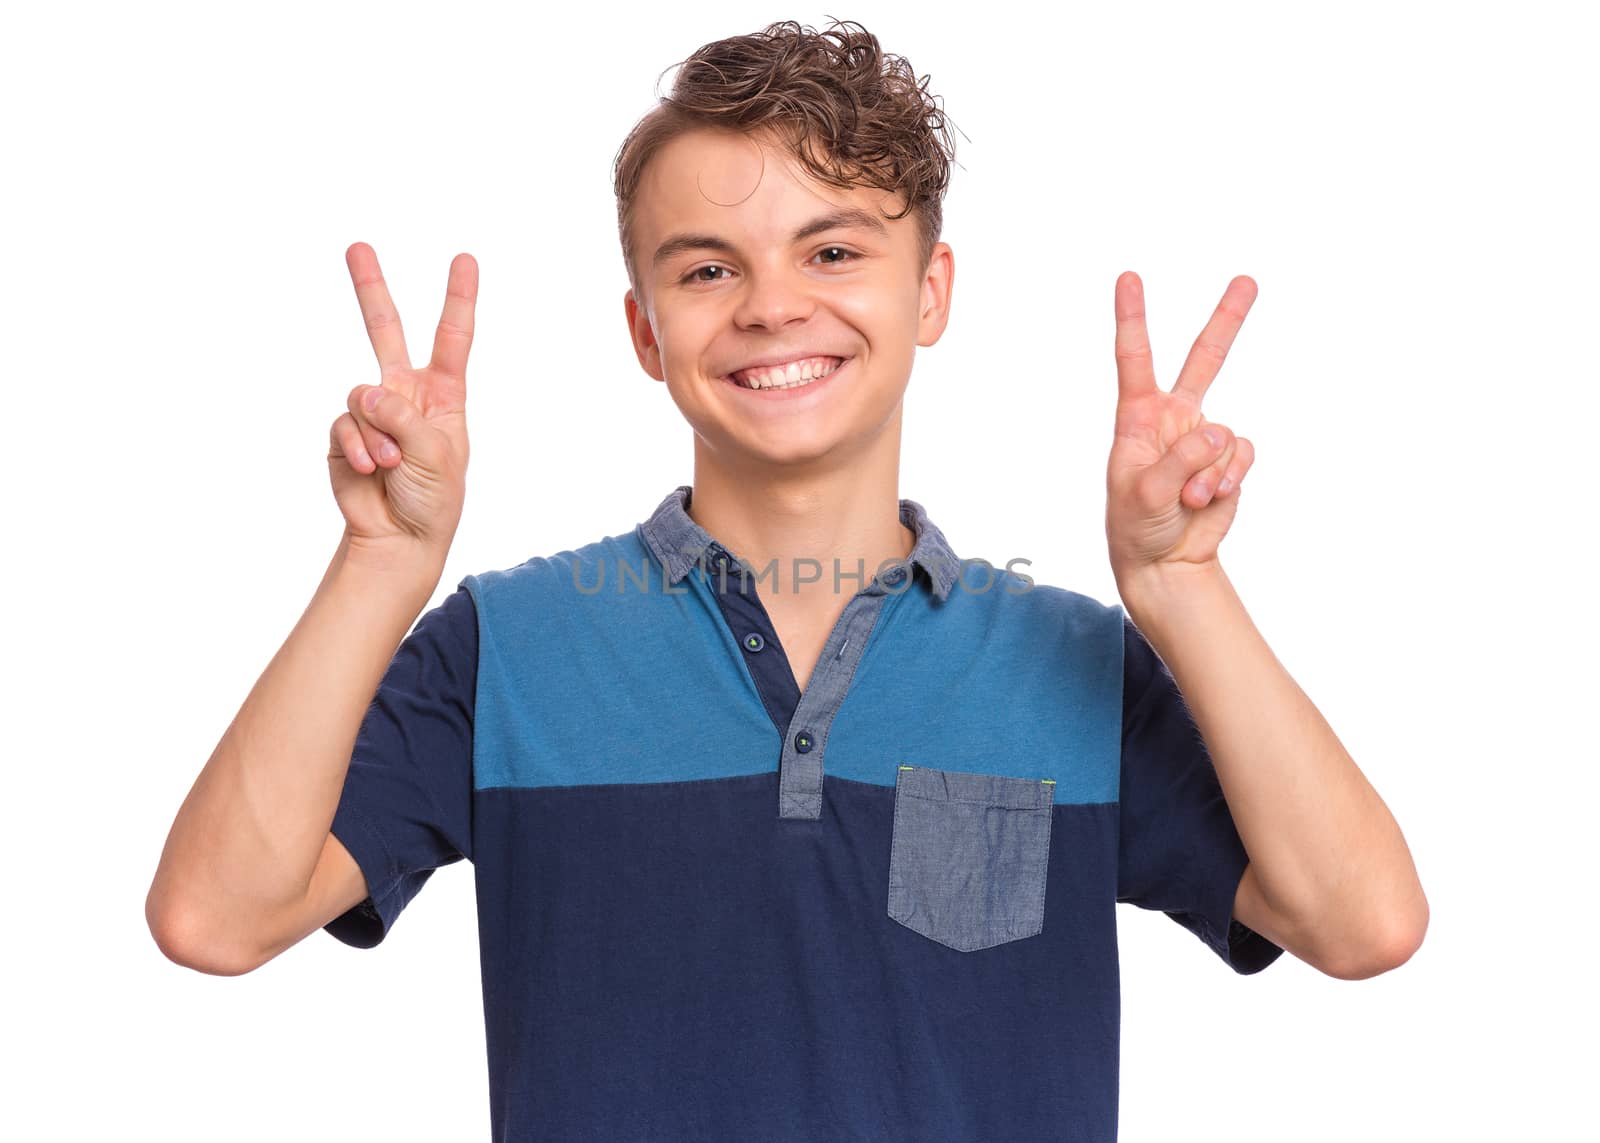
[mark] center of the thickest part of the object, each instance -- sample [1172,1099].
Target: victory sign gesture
[1172,483]
[398,457]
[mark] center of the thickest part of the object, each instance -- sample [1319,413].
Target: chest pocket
[969,856]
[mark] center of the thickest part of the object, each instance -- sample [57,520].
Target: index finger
[1136,373]
[377,308]
[454,338]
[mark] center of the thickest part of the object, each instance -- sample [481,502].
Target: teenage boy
[784,823]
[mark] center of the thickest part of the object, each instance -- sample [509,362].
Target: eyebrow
[843,219]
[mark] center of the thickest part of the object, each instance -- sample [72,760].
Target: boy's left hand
[1171,493]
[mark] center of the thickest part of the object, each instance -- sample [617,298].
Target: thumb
[1191,453]
[393,413]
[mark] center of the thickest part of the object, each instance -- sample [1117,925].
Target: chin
[789,454]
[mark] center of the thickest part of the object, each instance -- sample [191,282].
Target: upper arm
[1251,910]
[1178,850]
[406,806]
[337,886]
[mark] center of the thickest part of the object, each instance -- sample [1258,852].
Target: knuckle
[397,410]
[1220,431]
[381,319]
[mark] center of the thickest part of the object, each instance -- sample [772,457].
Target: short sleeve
[1178,849]
[406,806]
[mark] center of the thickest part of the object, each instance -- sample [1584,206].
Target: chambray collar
[680,543]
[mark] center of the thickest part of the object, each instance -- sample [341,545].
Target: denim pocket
[969,855]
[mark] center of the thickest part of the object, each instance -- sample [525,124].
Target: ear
[642,336]
[937,285]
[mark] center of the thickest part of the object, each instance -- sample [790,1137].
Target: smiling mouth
[796,376]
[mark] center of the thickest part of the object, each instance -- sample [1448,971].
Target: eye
[690,276]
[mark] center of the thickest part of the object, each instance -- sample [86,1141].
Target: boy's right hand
[409,499]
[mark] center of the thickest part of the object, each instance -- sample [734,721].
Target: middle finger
[1211,347]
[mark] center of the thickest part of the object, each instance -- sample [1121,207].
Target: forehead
[726,181]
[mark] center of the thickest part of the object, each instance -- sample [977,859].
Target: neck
[795,525]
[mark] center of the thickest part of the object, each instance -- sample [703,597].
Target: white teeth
[788,377]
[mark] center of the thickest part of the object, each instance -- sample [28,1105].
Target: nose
[773,297]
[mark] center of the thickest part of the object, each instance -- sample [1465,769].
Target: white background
[1409,185]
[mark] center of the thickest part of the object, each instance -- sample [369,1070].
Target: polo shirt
[712,906]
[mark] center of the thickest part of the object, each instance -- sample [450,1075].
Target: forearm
[248,836]
[1329,858]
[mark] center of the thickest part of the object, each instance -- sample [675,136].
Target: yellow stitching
[1046,781]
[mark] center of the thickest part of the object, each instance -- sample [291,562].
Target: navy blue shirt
[693,927]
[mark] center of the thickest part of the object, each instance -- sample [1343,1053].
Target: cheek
[681,336]
[884,318]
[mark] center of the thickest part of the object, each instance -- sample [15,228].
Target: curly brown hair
[849,113]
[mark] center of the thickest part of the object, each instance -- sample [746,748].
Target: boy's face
[850,290]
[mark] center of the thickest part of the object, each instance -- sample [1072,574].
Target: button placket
[733,592]
[800,768]
[810,713]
